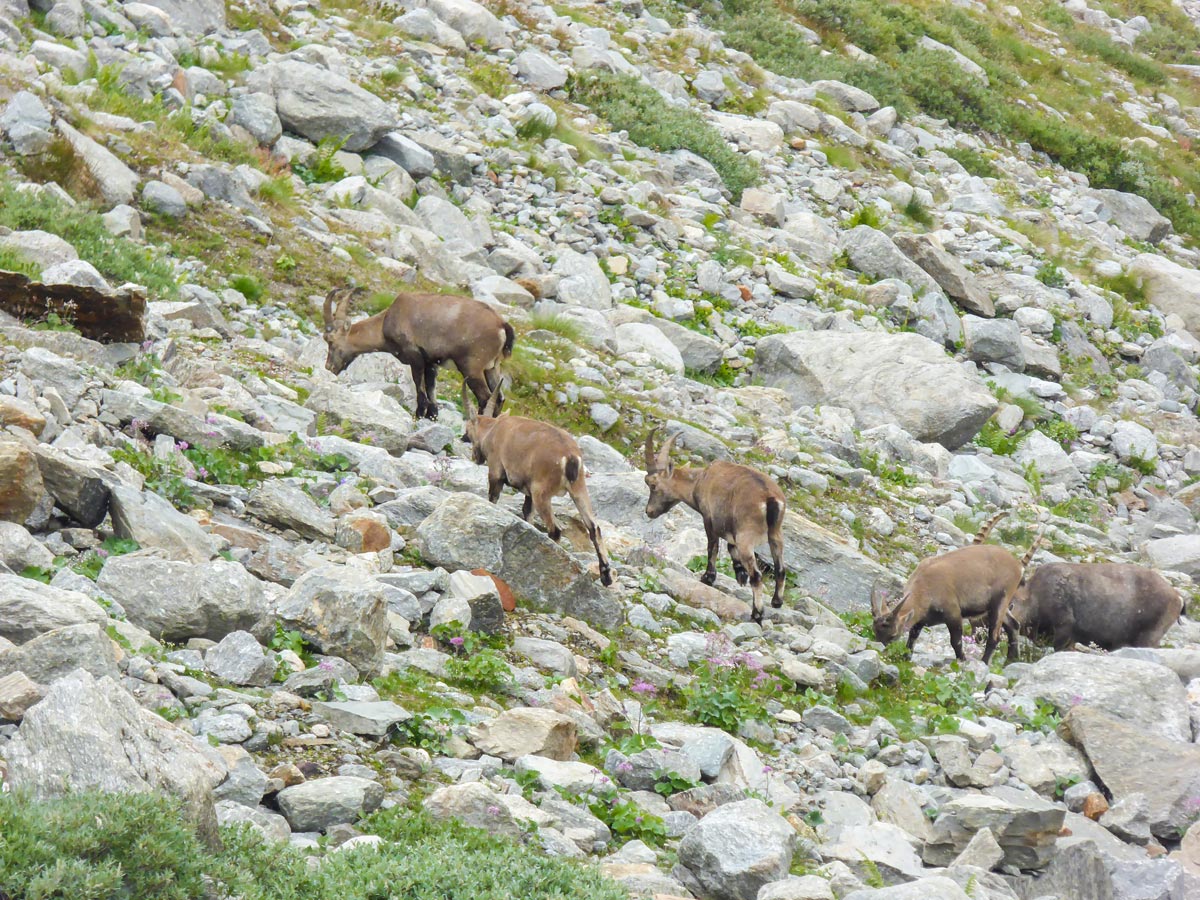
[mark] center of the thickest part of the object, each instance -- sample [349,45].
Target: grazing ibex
[976,580]
[1110,605]
[739,505]
[423,331]
[539,460]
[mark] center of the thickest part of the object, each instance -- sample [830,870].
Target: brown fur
[423,331]
[974,581]
[739,505]
[1110,605]
[539,460]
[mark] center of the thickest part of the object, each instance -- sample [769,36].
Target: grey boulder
[735,850]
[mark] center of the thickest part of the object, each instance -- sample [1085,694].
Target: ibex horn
[650,449]
[664,454]
[468,411]
[489,409]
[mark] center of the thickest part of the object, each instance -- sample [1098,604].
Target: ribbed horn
[664,455]
[650,467]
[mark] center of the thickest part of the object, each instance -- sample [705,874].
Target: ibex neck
[366,336]
[683,485]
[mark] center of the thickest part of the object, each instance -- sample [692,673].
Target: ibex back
[423,331]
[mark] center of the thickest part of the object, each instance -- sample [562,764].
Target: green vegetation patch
[633,106]
[117,259]
[102,847]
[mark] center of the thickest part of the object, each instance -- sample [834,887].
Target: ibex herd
[1109,605]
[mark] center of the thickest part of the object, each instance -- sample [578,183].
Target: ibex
[537,459]
[423,331]
[1110,605]
[739,505]
[976,580]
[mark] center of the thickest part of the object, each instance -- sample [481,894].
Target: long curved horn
[343,307]
[328,309]
[650,467]
[1032,548]
[489,409]
[664,454]
[988,526]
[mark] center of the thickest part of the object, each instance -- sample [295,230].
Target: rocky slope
[227,575]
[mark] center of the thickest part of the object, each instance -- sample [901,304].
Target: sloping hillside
[922,263]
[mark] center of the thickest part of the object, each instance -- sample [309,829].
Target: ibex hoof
[756,617]
[606,578]
[709,578]
[776,603]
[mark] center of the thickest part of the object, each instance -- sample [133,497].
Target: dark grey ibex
[423,331]
[537,459]
[1110,605]
[739,505]
[977,580]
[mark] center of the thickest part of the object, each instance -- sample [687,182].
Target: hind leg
[546,513]
[418,377]
[583,503]
[479,387]
[739,571]
[776,544]
[746,556]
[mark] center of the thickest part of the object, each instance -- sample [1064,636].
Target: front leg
[955,627]
[496,481]
[418,377]
[527,507]
[710,573]
[913,634]
[431,407]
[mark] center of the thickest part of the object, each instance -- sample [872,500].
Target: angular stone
[735,850]
[1026,830]
[466,531]
[21,485]
[342,612]
[316,103]
[155,524]
[1134,215]
[524,731]
[1131,759]
[337,800]
[29,609]
[285,505]
[79,486]
[239,659]
[372,718]
[176,601]
[17,694]
[994,340]
[1148,697]
[945,269]
[474,804]
[90,734]
[873,253]
[57,653]
[1169,286]
[116,182]
[902,379]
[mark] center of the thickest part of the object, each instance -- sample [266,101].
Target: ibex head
[659,471]
[890,615]
[476,423]
[337,327]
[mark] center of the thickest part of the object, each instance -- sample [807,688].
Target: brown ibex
[1110,605]
[423,331]
[738,504]
[976,580]
[539,460]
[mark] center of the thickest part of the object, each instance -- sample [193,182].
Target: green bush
[973,161]
[637,108]
[117,259]
[730,686]
[136,847]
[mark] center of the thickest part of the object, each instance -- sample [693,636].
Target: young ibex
[739,505]
[976,580]
[537,459]
[423,331]
[1110,605]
